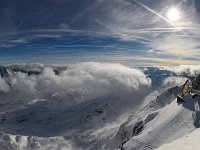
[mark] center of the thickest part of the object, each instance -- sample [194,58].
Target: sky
[133,32]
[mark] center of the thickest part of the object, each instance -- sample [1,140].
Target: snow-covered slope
[188,142]
[92,106]
[165,125]
[19,142]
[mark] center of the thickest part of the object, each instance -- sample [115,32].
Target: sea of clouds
[91,78]
[87,81]
[189,70]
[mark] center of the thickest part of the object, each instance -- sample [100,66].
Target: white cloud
[190,70]
[4,87]
[91,79]
[177,46]
[173,81]
[23,83]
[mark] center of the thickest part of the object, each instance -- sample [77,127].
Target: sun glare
[173,14]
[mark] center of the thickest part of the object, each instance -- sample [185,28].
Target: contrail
[154,12]
[81,45]
[122,35]
[81,39]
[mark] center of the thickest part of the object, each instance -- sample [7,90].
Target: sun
[173,14]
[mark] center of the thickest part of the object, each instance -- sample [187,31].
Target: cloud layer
[4,86]
[189,70]
[87,79]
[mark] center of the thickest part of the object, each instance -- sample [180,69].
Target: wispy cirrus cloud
[136,28]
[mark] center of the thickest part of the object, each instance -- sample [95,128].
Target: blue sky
[120,31]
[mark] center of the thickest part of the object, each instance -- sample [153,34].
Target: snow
[188,142]
[90,106]
[171,122]
[18,142]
